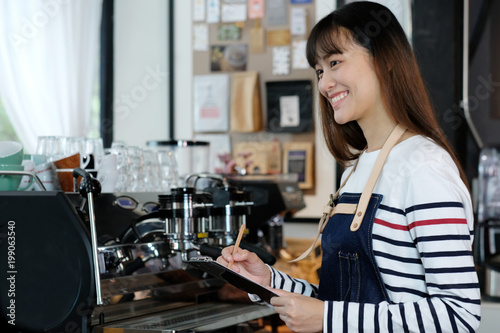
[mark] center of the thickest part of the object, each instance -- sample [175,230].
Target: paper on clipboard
[217,270]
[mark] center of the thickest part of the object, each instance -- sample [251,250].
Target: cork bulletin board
[257,44]
[260,62]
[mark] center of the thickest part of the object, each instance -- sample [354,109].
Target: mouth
[339,97]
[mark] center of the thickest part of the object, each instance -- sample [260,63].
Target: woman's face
[349,83]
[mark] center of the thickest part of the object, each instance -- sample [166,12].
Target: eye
[319,73]
[334,63]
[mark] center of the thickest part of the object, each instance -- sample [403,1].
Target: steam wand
[90,186]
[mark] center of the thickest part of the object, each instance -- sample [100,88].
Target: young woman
[397,247]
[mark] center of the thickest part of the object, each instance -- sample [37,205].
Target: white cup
[27,183]
[46,172]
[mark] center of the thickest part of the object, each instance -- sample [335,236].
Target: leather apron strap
[358,210]
[391,141]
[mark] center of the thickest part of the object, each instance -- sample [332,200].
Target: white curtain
[48,63]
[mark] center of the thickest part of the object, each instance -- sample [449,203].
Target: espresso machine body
[143,282]
[93,262]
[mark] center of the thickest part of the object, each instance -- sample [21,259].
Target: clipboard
[219,271]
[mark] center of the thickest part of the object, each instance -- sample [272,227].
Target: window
[95,107]
[7,132]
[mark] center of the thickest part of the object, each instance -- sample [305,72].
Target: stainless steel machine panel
[199,318]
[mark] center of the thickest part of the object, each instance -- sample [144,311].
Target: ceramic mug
[46,172]
[65,178]
[37,159]
[10,182]
[69,162]
[11,153]
[27,182]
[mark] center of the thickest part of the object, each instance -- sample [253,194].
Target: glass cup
[136,169]
[94,152]
[168,167]
[122,165]
[51,146]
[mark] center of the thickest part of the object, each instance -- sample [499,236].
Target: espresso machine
[95,262]
[274,197]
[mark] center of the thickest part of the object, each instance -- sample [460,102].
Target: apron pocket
[349,276]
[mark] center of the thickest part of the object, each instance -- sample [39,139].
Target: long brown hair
[374,27]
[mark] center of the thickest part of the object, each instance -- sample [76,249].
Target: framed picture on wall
[290,106]
[298,158]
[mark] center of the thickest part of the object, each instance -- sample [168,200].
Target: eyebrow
[327,55]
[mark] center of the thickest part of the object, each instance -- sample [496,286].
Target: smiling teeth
[339,97]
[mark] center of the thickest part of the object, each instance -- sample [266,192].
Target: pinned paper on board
[255,9]
[211,103]
[213,11]
[299,60]
[276,13]
[233,12]
[198,10]
[200,37]
[298,21]
[281,60]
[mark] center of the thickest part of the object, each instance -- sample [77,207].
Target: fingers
[227,251]
[300,313]
[281,292]
[240,255]
[226,256]
[222,261]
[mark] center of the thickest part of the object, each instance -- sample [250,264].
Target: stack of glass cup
[144,170]
[57,156]
[121,168]
[57,147]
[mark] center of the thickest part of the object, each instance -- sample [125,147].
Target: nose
[326,84]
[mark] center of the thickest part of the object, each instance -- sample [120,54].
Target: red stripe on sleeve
[420,223]
[391,225]
[436,222]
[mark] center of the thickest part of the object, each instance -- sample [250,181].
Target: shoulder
[421,155]
[427,174]
[424,171]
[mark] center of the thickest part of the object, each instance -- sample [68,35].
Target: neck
[376,133]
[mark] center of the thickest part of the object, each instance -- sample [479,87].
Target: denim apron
[348,270]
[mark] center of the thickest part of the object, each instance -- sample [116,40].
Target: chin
[341,120]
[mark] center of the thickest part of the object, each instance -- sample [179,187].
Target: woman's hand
[247,264]
[300,313]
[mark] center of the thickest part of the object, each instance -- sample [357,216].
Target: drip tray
[198,318]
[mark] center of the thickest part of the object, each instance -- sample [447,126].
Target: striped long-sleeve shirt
[422,242]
